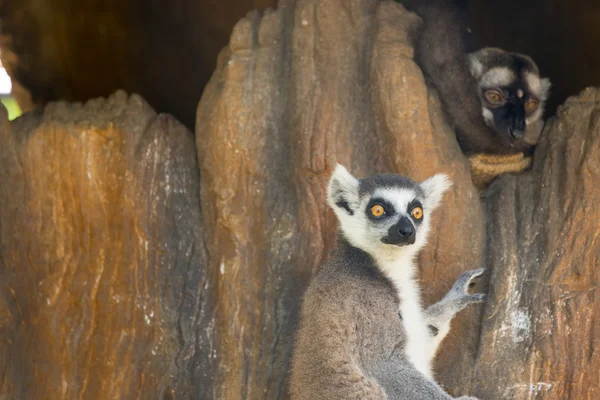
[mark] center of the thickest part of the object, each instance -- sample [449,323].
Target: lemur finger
[464,280]
[472,299]
[477,298]
[477,272]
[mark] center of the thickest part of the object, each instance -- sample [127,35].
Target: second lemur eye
[417,213]
[531,104]
[493,96]
[377,210]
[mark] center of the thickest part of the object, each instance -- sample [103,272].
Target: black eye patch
[411,206]
[389,209]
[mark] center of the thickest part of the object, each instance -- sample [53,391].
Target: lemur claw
[476,298]
[459,294]
[464,280]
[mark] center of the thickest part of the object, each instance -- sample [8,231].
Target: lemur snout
[516,133]
[517,127]
[400,234]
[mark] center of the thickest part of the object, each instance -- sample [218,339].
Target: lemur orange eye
[377,210]
[493,96]
[531,104]
[417,213]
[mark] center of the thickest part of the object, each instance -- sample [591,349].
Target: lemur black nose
[406,230]
[401,234]
[516,133]
[517,122]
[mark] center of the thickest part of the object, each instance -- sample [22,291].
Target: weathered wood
[103,291]
[286,102]
[540,327]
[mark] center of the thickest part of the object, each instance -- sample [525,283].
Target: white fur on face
[488,117]
[535,116]
[365,234]
[546,85]
[497,77]
[475,66]
[534,83]
[539,87]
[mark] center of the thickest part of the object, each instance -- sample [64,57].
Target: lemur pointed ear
[475,64]
[545,88]
[342,192]
[434,189]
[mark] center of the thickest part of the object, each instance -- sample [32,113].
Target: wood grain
[103,289]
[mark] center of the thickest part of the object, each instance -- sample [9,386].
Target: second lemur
[494,98]
[363,333]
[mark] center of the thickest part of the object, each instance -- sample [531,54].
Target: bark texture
[540,329]
[103,291]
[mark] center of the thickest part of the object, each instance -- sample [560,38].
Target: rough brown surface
[540,328]
[103,292]
[285,103]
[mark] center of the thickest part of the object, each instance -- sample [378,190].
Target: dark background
[167,50]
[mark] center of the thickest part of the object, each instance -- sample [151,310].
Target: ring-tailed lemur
[494,98]
[351,342]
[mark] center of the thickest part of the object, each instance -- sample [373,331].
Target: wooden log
[103,290]
[540,327]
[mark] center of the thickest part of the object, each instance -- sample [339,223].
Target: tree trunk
[540,325]
[104,292]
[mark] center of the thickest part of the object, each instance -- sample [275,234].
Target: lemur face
[511,92]
[384,212]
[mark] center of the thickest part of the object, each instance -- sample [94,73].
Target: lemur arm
[439,315]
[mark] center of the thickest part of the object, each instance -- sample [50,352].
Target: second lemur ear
[434,189]
[342,192]
[476,63]
[545,88]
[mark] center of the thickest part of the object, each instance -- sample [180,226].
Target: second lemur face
[384,213]
[511,91]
